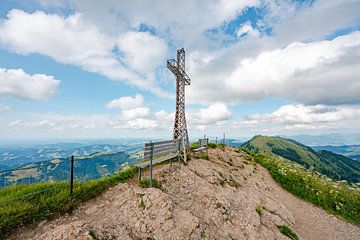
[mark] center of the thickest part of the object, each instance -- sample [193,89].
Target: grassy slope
[51,202]
[335,197]
[337,167]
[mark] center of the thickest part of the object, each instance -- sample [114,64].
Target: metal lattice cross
[177,67]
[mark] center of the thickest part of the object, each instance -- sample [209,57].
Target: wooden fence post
[72,175]
[139,173]
[151,159]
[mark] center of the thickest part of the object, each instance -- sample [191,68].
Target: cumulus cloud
[126,102]
[310,73]
[17,83]
[210,115]
[143,52]
[83,45]
[304,67]
[130,114]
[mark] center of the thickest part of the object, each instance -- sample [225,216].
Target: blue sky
[70,69]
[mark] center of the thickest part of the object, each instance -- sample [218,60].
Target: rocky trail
[206,199]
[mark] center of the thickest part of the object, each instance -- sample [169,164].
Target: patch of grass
[142,204]
[247,151]
[337,198]
[259,210]
[211,145]
[93,234]
[49,200]
[201,156]
[287,232]
[220,145]
[203,234]
[145,183]
[194,145]
[222,182]
[233,183]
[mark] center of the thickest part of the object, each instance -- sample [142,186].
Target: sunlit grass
[338,198]
[52,199]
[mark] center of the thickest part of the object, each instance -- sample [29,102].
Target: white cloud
[302,114]
[83,45]
[185,22]
[210,115]
[4,107]
[141,123]
[247,29]
[17,83]
[310,73]
[131,114]
[304,67]
[164,117]
[126,102]
[143,52]
[312,21]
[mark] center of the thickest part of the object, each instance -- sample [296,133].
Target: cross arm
[171,65]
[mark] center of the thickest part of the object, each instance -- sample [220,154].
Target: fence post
[179,151]
[185,155]
[139,173]
[151,159]
[72,175]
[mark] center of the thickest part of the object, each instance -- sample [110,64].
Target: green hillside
[335,166]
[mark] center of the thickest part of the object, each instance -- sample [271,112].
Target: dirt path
[215,199]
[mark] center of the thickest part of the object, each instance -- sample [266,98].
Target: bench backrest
[161,148]
[203,143]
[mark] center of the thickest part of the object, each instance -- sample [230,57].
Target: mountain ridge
[335,166]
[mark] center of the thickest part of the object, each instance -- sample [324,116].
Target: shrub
[145,183]
[287,232]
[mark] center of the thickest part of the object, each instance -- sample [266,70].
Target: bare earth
[197,202]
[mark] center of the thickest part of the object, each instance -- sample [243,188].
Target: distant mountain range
[333,165]
[85,168]
[351,151]
[15,156]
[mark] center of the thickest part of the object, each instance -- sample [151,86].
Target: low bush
[287,232]
[40,201]
[145,183]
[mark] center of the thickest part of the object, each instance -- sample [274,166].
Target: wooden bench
[158,152]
